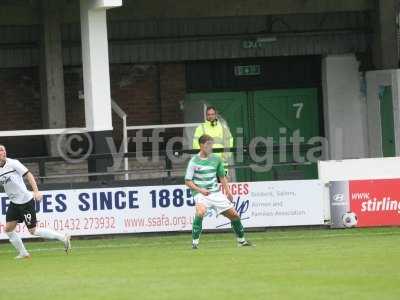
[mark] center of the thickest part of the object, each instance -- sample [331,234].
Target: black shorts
[22,213]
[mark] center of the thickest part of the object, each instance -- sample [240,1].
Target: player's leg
[31,221]
[237,226]
[226,208]
[50,234]
[12,217]
[197,226]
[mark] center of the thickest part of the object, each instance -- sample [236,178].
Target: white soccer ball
[349,219]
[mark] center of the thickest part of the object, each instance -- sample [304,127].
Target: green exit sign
[249,70]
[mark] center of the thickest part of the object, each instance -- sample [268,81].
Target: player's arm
[224,180]
[190,184]
[24,172]
[225,186]
[32,182]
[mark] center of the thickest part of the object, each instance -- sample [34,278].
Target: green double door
[273,114]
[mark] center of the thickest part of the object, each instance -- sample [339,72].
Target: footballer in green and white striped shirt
[201,177]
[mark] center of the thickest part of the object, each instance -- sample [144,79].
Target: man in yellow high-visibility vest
[220,133]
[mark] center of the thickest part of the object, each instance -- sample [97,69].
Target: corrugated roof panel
[19,34]
[151,28]
[217,38]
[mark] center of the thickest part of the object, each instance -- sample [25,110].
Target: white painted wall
[355,169]
[344,108]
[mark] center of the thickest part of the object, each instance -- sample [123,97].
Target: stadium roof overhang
[16,12]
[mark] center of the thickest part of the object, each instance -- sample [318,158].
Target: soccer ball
[349,219]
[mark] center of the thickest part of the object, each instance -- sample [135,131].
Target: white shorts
[217,201]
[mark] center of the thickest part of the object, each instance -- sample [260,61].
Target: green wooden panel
[279,113]
[262,114]
[233,107]
[387,123]
[289,109]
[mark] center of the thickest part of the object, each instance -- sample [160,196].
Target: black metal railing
[166,156]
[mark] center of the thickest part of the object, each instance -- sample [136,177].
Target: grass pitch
[284,264]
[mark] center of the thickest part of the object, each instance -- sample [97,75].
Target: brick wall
[173,87]
[134,88]
[149,94]
[20,108]
[74,107]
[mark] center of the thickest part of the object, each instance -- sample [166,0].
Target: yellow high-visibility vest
[221,135]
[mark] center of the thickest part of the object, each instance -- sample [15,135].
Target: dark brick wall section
[20,109]
[134,88]
[149,94]
[74,107]
[20,99]
[173,88]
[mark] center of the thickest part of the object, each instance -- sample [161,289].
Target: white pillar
[344,108]
[96,76]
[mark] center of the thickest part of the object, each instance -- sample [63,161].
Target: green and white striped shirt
[204,171]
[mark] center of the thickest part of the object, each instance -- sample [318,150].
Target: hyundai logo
[338,198]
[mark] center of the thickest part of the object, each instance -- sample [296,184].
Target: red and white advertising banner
[375,202]
[370,202]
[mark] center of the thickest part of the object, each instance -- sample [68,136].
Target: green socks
[197,227]
[238,228]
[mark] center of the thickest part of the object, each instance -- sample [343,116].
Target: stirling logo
[4,180]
